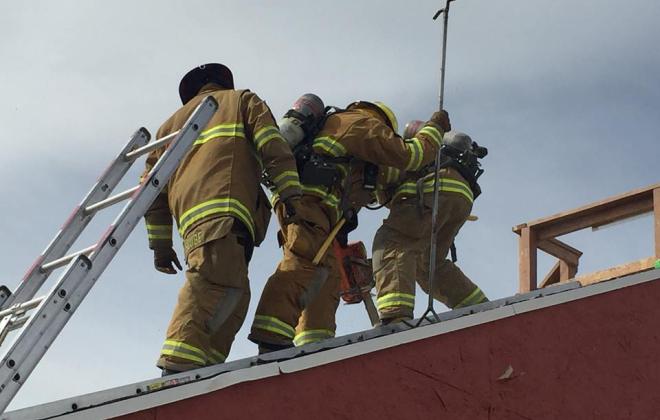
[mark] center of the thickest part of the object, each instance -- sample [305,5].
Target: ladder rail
[57,307]
[34,278]
[49,319]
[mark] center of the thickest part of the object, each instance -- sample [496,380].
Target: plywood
[618,271]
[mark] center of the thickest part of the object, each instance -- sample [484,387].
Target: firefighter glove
[165,259]
[292,206]
[441,118]
[348,227]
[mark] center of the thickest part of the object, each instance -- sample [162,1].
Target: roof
[206,381]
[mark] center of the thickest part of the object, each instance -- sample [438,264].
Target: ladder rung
[25,306]
[60,262]
[110,201]
[151,146]
[17,323]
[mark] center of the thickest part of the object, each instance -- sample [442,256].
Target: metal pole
[444,50]
[436,184]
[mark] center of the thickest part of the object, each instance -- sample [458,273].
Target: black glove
[165,259]
[441,119]
[290,205]
[350,225]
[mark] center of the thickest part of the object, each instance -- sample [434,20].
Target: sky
[565,94]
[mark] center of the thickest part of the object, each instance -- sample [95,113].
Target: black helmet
[193,81]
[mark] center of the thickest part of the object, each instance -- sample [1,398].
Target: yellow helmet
[385,110]
[394,124]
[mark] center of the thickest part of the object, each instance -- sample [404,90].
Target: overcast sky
[565,94]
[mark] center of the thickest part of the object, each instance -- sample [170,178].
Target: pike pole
[436,185]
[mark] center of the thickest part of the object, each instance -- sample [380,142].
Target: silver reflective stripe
[312,336]
[396,299]
[272,324]
[183,351]
[477,296]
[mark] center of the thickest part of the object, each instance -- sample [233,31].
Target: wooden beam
[656,216]
[560,250]
[552,277]
[527,260]
[560,273]
[618,271]
[566,271]
[593,218]
[602,212]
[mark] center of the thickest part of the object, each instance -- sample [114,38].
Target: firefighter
[221,213]
[336,182]
[401,245]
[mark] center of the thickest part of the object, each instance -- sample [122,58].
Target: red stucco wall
[595,358]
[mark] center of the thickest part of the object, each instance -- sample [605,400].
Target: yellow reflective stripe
[319,192]
[286,179]
[406,188]
[274,198]
[183,351]
[272,324]
[217,357]
[414,146]
[312,336]
[285,174]
[159,231]
[477,296]
[432,132]
[450,185]
[395,299]
[330,146]
[446,185]
[229,206]
[265,135]
[158,236]
[221,130]
[392,175]
[343,168]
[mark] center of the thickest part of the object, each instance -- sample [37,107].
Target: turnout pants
[401,256]
[283,299]
[216,289]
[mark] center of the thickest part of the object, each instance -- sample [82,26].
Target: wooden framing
[656,212]
[542,234]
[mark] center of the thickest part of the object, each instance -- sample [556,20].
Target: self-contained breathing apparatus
[299,126]
[460,152]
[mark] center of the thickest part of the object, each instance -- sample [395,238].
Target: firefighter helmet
[459,141]
[412,128]
[384,110]
[196,78]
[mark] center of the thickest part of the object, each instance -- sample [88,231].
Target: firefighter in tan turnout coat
[401,245]
[221,212]
[365,133]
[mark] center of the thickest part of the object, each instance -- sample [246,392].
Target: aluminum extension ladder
[44,317]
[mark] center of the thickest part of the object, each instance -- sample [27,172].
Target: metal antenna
[436,185]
